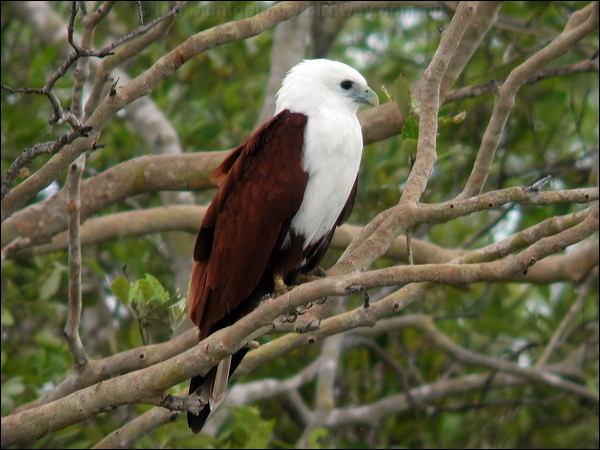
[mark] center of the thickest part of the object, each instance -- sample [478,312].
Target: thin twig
[107,50]
[580,24]
[71,331]
[29,154]
[127,51]
[143,85]
[82,71]
[584,290]
[59,114]
[588,65]
[325,391]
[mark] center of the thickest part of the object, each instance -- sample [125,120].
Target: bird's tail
[211,388]
[196,421]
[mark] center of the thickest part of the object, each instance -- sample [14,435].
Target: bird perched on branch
[281,195]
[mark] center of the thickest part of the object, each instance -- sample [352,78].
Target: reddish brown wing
[261,187]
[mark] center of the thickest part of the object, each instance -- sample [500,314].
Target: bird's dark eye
[346,85]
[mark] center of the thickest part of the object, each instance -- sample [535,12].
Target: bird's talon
[289,317]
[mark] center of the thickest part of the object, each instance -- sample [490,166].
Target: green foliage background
[213,102]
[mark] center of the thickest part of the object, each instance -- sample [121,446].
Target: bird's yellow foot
[280,287]
[314,275]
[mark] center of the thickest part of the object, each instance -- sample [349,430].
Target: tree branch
[149,385]
[580,24]
[537,248]
[71,331]
[325,392]
[144,174]
[143,85]
[127,51]
[588,65]
[482,21]
[97,370]
[371,248]
[584,291]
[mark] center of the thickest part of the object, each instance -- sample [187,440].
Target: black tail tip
[196,421]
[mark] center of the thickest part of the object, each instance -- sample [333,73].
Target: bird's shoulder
[275,139]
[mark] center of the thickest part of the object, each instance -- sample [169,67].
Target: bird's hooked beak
[368,97]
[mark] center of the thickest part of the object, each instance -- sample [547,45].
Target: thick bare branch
[569,267]
[98,370]
[144,174]
[149,385]
[370,248]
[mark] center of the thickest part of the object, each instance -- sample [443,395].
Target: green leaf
[50,285]
[159,293]
[141,292]
[120,288]
[177,311]
[13,386]
[249,430]
[411,128]
[315,435]
[401,94]
[409,147]
[455,120]
[260,435]
[7,318]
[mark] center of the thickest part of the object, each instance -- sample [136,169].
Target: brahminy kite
[281,195]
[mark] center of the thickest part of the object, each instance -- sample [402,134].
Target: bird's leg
[289,317]
[279,286]
[316,274]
